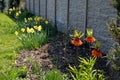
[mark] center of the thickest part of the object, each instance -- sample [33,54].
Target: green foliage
[35,66]
[115,31]
[8,46]
[13,72]
[31,38]
[85,70]
[55,75]
[22,79]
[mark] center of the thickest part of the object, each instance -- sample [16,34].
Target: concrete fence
[80,13]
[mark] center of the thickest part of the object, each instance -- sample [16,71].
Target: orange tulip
[90,39]
[77,42]
[96,53]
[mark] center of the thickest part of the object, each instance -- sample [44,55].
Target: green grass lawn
[8,44]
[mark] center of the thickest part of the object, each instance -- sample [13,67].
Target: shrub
[114,53]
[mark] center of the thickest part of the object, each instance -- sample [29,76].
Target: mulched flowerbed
[56,55]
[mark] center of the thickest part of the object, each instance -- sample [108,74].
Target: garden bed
[55,55]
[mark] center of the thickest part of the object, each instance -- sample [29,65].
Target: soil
[58,54]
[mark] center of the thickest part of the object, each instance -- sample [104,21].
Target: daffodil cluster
[32,38]
[11,9]
[18,13]
[37,23]
[30,30]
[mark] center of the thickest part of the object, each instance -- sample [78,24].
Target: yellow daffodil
[38,18]
[22,29]
[10,9]
[32,30]
[25,20]
[39,28]
[28,30]
[46,22]
[35,27]
[13,8]
[30,18]
[17,14]
[16,33]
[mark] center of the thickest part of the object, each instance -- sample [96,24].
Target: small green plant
[55,75]
[36,66]
[86,71]
[115,30]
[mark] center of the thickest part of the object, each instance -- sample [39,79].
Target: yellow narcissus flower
[38,18]
[13,8]
[30,18]
[32,30]
[39,28]
[16,33]
[35,27]
[28,30]
[25,20]
[46,22]
[10,9]
[22,29]
[17,14]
